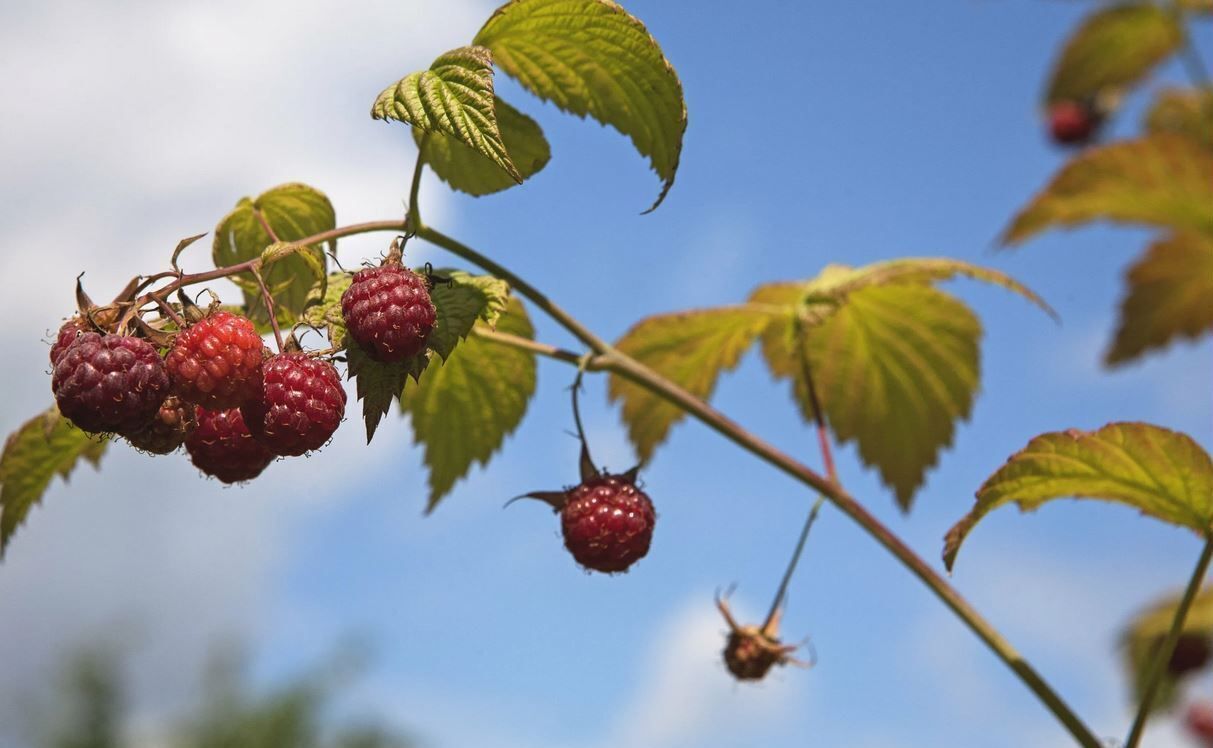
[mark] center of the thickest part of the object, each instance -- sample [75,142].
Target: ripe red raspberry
[109,383]
[607,523]
[388,311]
[167,430]
[222,446]
[66,336]
[216,362]
[1199,721]
[300,405]
[1073,123]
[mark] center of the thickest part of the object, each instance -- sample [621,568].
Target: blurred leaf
[1185,111]
[1144,636]
[690,349]
[1160,180]
[460,302]
[1170,294]
[455,98]
[93,709]
[466,170]
[294,211]
[378,384]
[1163,473]
[462,410]
[45,446]
[590,57]
[1113,49]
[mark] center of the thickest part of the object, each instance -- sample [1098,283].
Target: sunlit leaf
[1144,636]
[378,383]
[327,315]
[466,170]
[459,301]
[1186,111]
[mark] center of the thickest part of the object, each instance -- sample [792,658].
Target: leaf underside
[467,170]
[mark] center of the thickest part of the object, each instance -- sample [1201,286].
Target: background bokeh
[819,132]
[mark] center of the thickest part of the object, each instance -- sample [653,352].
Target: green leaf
[590,57]
[294,211]
[326,315]
[1144,636]
[45,446]
[1170,293]
[460,302]
[466,170]
[1160,180]
[454,97]
[1113,49]
[1163,473]
[1186,111]
[378,384]
[463,410]
[690,349]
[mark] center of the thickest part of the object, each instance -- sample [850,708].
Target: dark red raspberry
[109,383]
[1073,123]
[216,362]
[167,430]
[1192,652]
[607,523]
[222,446]
[301,404]
[66,336]
[1199,721]
[388,311]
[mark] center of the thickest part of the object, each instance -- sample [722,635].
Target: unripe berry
[388,311]
[109,383]
[216,362]
[299,406]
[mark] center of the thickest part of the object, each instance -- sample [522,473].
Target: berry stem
[268,300]
[782,592]
[413,220]
[823,437]
[1159,666]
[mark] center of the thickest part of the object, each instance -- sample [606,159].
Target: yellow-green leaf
[454,98]
[1186,111]
[1113,49]
[466,170]
[1144,636]
[690,349]
[45,446]
[459,301]
[327,315]
[590,57]
[1159,180]
[1170,294]
[1160,472]
[462,410]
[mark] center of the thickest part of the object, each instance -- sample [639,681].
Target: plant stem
[269,230]
[414,210]
[782,592]
[270,312]
[823,437]
[1159,666]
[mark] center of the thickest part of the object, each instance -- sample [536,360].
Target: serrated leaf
[1113,49]
[1170,295]
[378,384]
[1185,111]
[326,315]
[690,349]
[1163,473]
[590,57]
[466,170]
[1144,635]
[294,211]
[45,446]
[460,302]
[1159,180]
[463,409]
[454,98]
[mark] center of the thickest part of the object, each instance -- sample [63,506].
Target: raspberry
[1073,123]
[66,336]
[607,523]
[300,405]
[167,430]
[109,383]
[1192,652]
[751,651]
[222,446]
[1199,721]
[216,362]
[388,311]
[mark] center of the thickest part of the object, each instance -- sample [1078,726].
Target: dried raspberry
[216,362]
[607,523]
[222,446]
[388,311]
[1073,123]
[109,383]
[300,405]
[167,430]
[751,651]
[66,336]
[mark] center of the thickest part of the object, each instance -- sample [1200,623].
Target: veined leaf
[327,315]
[377,383]
[463,409]
[590,57]
[294,211]
[1160,180]
[1186,111]
[1170,294]
[1144,636]
[1112,50]
[454,98]
[466,170]
[1162,473]
[690,349]
[45,446]
[460,302]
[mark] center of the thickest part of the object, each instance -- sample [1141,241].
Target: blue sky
[818,133]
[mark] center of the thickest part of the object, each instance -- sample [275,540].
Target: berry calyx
[751,651]
[607,523]
[216,362]
[109,383]
[167,430]
[388,311]
[1073,122]
[222,446]
[300,404]
[67,335]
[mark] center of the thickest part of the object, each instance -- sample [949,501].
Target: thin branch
[782,592]
[266,225]
[270,312]
[823,436]
[414,209]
